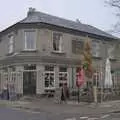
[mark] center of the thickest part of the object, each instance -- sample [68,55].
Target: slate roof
[39,17]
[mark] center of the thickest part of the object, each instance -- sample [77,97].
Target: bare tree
[115,4]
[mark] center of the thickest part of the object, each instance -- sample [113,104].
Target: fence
[10,81]
[98,80]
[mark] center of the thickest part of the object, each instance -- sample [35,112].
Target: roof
[39,17]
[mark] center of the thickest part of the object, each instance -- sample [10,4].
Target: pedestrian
[63,99]
[64,93]
[7,92]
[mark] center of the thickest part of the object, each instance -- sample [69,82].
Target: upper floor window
[30,41]
[95,48]
[57,42]
[11,44]
[111,51]
[77,46]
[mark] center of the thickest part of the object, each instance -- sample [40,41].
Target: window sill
[58,52]
[113,59]
[49,88]
[96,57]
[29,50]
[9,54]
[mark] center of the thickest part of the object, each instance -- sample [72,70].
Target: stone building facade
[41,52]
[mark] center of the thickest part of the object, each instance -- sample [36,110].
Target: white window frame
[50,87]
[63,81]
[25,41]
[60,43]
[11,44]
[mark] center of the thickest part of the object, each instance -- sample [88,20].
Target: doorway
[29,80]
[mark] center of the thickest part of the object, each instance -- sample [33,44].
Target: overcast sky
[93,12]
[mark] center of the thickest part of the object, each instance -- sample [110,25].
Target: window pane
[95,49]
[57,41]
[63,76]
[49,68]
[30,42]
[77,46]
[11,44]
[111,51]
[49,76]
[63,69]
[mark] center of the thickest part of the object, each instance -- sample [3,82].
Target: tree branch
[114,3]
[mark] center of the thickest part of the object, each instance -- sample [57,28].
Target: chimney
[78,21]
[31,11]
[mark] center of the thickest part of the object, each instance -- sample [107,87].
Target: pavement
[71,107]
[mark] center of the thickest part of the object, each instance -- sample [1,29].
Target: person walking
[63,97]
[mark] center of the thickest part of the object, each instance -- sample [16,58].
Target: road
[20,114]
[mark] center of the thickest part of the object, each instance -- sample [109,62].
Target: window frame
[110,50]
[11,44]
[95,50]
[25,41]
[49,72]
[74,42]
[60,43]
[63,73]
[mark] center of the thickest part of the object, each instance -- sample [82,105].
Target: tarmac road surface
[20,114]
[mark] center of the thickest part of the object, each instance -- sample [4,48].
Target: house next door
[29,82]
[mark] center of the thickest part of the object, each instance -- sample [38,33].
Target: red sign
[80,78]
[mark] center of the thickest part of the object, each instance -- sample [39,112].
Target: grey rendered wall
[44,43]
[19,41]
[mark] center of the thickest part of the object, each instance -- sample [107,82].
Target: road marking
[16,109]
[70,119]
[92,118]
[83,118]
[105,116]
[28,111]
[31,111]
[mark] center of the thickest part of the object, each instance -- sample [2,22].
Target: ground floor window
[63,76]
[49,77]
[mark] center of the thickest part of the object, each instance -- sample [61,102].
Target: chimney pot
[31,10]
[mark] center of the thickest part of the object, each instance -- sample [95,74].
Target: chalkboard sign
[57,96]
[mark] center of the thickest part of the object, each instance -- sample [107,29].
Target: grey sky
[91,12]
